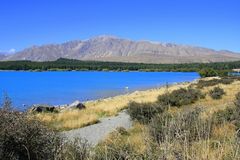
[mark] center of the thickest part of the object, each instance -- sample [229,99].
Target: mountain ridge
[112,48]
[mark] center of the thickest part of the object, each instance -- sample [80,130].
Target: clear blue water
[55,88]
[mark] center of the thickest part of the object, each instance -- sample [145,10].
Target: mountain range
[2,55]
[110,48]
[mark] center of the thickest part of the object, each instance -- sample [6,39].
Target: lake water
[55,88]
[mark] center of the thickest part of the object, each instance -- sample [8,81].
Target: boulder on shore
[76,105]
[42,108]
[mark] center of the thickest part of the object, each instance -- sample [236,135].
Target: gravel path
[97,132]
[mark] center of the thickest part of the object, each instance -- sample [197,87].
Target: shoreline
[113,105]
[131,93]
[96,71]
[95,110]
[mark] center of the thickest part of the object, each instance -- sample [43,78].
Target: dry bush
[129,144]
[143,112]
[186,126]
[180,97]
[216,93]
[213,82]
[222,116]
[237,114]
[24,138]
[115,148]
[230,114]
[78,149]
[237,102]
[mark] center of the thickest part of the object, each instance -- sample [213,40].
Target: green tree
[208,72]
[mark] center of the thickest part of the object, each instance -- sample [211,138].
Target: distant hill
[2,56]
[109,48]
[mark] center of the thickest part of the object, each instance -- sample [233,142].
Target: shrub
[78,149]
[230,114]
[122,131]
[159,127]
[208,72]
[216,93]
[184,127]
[24,138]
[114,148]
[237,102]
[213,82]
[180,97]
[227,115]
[226,80]
[143,112]
[237,114]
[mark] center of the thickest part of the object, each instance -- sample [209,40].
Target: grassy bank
[203,127]
[71,119]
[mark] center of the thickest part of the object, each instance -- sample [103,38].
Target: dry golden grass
[226,130]
[221,145]
[136,137]
[69,119]
[210,105]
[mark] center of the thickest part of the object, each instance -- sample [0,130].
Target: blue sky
[208,23]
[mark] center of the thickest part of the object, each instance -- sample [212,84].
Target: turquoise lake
[55,88]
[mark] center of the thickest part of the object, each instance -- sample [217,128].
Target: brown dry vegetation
[220,141]
[70,119]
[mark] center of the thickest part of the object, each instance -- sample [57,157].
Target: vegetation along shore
[205,69]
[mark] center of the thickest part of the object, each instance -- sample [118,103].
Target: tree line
[219,68]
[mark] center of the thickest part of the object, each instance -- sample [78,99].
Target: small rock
[76,104]
[42,108]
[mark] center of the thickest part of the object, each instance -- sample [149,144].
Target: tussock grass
[212,141]
[185,135]
[138,144]
[69,119]
[123,146]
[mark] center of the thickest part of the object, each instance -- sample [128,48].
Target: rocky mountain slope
[108,48]
[2,56]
